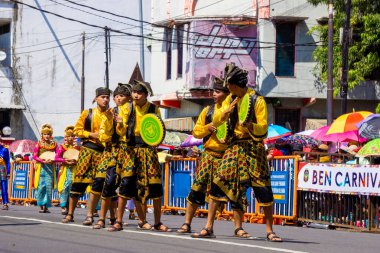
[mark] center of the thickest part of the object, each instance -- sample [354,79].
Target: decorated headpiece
[142,86]
[235,75]
[122,89]
[102,91]
[69,131]
[218,84]
[46,129]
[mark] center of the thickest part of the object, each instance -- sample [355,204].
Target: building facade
[271,39]
[40,78]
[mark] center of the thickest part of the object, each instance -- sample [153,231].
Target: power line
[157,39]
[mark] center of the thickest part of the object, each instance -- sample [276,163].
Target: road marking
[165,235]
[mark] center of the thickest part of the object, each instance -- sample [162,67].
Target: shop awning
[169,100]
[180,124]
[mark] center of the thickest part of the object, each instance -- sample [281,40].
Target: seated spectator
[273,152]
[323,148]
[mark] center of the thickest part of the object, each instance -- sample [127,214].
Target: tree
[364,51]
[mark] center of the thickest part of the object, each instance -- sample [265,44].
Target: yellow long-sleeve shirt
[201,130]
[140,112]
[95,125]
[107,126]
[259,128]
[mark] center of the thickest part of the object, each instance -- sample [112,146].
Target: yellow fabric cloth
[200,131]
[257,129]
[324,159]
[106,126]
[140,112]
[79,130]
[37,173]
[62,178]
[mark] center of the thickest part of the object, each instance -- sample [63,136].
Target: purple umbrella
[191,141]
[370,127]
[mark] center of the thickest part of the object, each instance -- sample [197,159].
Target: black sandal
[209,234]
[68,218]
[112,221]
[184,229]
[141,225]
[244,234]
[272,237]
[118,226]
[161,227]
[88,221]
[99,224]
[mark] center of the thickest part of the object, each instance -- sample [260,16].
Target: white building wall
[302,85]
[49,80]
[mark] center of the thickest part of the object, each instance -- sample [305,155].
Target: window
[5,43]
[285,50]
[179,50]
[289,118]
[168,39]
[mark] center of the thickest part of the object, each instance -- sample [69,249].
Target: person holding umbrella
[5,167]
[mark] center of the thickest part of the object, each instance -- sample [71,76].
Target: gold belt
[215,154]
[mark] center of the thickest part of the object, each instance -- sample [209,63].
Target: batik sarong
[204,174]
[88,163]
[148,174]
[244,165]
[45,184]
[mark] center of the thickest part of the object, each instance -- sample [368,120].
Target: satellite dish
[3,55]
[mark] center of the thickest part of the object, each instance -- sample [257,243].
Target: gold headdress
[46,129]
[69,131]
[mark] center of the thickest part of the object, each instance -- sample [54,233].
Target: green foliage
[378,108]
[364,56]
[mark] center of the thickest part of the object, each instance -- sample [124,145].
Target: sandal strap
[157,226]
[209,231]
[274,235]
[238,229]
[186,224]
[142,223]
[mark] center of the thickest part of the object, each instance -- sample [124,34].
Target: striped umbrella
[347,122]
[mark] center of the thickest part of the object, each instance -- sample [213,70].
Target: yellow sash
[62,178]
[37,173]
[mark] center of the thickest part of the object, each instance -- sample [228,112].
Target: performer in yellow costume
[87,128]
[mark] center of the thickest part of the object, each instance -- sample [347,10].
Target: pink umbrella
[320,134]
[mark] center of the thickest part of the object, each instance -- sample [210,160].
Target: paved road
[23,229]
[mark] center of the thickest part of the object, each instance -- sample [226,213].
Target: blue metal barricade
[19,183]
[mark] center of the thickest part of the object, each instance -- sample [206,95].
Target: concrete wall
[302,84]
[50,78]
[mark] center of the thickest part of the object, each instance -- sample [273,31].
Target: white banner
[339,178]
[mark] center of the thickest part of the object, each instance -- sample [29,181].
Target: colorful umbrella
[22,146]
[191,141]
[306,132]
[321,135]
[301,140]
[347,122]
[276,132]
[371,148]
[370,127]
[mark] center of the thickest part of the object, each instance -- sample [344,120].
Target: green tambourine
[246,109]
[152,129]
[222,132]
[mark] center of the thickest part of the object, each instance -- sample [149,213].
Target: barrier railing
[178,176]
[339,195]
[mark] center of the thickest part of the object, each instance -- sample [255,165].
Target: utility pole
[82,80]
[346,43]
[107,40]
[142,59]
[330,65]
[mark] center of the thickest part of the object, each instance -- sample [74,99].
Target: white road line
[165,235]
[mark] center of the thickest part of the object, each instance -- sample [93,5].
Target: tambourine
[152,129]
[71,154]
[246,110]
[222,132]
[47,155]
